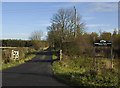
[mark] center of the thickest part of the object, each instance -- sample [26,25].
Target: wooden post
[60,55]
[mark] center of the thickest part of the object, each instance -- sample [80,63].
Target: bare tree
[36,35]
[63,26]
[36,39]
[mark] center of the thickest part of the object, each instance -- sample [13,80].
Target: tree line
[16,43]
[36,44]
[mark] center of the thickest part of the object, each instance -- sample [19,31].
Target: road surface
[36,72]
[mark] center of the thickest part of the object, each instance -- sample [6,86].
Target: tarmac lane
[35,72]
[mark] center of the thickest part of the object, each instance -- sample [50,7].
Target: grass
[54,57]
[29,56]
[79,71]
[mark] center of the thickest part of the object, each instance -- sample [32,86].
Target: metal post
[111,55]
[111,59]
[94,55]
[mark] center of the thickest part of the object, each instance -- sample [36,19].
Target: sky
[20,19]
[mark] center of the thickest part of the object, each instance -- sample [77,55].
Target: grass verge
[29,56]
[79,71]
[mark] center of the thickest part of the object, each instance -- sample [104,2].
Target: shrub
[79,46]
[6,55]
[22,51]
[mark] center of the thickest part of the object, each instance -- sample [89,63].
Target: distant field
[7,47]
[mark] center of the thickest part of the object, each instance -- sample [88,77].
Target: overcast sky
[20,19]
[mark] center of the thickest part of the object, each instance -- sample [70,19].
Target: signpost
[15,55]
[102,43]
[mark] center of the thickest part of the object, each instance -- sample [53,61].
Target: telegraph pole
[75,23]
[119,17]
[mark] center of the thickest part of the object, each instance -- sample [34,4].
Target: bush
[22,51]
[37,44]
[6,55]
[79,46]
